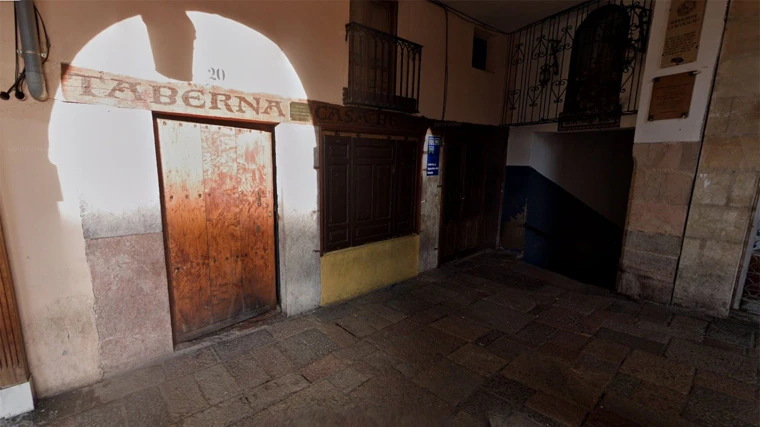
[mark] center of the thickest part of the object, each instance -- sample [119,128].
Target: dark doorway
[473,175]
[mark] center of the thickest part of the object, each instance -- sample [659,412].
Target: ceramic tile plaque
[671,96]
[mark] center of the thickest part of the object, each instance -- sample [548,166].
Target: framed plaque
[671,96]
[682,36]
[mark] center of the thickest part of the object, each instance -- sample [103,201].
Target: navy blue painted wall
[562,233]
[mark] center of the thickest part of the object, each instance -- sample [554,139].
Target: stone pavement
[486,341]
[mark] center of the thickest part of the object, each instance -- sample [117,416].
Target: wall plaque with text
[671,96]
[682,36]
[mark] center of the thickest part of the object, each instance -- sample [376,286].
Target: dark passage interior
[565,205]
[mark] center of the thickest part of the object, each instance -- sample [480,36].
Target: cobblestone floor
[486,341]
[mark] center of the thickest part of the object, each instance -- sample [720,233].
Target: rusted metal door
[218,224]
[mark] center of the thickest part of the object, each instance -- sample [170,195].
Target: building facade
[202,163]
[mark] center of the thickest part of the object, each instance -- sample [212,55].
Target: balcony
[383,70]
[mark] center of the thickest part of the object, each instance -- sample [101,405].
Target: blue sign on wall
[433,155]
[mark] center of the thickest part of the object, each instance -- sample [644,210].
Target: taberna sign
[433,155]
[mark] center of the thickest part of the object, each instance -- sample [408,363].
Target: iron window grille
[539,66]
[383,70]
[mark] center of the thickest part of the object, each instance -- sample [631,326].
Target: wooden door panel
[257,218]
[220,182]
[184,205]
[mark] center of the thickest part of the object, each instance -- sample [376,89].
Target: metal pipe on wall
[30,49]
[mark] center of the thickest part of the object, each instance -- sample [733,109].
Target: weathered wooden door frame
[265,127]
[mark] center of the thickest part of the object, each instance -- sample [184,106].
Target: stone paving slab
[488,341]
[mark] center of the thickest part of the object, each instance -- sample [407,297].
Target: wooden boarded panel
[186,231]
[13,366]
[256,195]
[220,181]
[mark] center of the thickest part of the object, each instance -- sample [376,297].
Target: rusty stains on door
[218,224]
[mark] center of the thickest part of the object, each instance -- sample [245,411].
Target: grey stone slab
[568,340]
[725,385]
[558,410]
[582,303]
[127,383]
[634,412]
[514,299]
[434,294]
[183,397]
[656,313]
[217,384]
[356,351]
[348,379]
[553,377]
[221,415]
[441,342]
[497,317]
[146,408]
[297,351]
[659,370]
[535,333]
[276,390]
[485,406]
[610,351]
[449,381]
[408,304]
[661,399]
[247,372]
[464,299]
[595,371]
[341,337]
[637,331]
[319,342]
[600,417]
[733,365]
[334,312]
[708,407]
[460,327]
[489,338]
[478,360]
[313,402]
[624,385]
[52,408]
[110,415]
[244,344]
[733,332]
[570,320]
[269,358]
[629,308]
[387,313]
[291,327]
[630,340]
[189,363]
[363,322]
[322,368]
[131,299]
[508,348]
[392,391]
[508,390]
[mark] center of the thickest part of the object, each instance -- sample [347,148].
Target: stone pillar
[728,176]
[657,208]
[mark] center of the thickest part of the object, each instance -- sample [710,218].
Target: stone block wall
[728,176]
[658,204]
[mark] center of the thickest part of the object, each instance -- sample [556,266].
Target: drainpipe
[30,49]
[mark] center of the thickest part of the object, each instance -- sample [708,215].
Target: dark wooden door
[473,165]
[218,224]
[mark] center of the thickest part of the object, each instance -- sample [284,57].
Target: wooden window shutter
[337,179]
[405,203]
[372,190]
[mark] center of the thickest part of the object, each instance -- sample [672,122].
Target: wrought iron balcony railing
[383,70]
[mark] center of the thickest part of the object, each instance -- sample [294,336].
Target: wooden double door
[217,191]
[474,158]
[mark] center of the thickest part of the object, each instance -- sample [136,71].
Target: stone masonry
[658,205]
[728,176]
[486,341]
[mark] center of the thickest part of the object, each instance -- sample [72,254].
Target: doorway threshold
[233,331]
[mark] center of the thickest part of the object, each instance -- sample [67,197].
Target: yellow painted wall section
[355,271]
